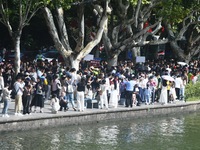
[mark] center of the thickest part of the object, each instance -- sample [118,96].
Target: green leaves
[66,4]
[134,2]
[174,11]
[192,91]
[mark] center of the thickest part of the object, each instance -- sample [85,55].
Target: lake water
[158,133]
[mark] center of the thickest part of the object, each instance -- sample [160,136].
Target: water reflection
[55,141]
[108,135]
[170,133]
[169,127]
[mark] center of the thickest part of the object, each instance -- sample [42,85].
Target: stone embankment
[71,117]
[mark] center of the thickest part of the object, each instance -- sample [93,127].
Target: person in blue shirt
[129,85]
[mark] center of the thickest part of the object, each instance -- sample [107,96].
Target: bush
[192,92]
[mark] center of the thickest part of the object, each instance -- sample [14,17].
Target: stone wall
[95,117]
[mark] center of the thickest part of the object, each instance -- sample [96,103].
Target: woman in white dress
[114,95]
[163,96]
[103,95]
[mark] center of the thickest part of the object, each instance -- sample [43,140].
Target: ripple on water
[168,133]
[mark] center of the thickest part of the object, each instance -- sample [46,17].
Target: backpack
[69,88]
[13,92]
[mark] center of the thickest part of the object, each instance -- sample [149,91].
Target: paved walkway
[47,111]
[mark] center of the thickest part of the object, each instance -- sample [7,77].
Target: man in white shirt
[178,82]
[18,85]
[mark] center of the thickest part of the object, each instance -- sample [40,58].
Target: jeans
[182,93]
[142,94]
[147,96]
[5,108]
[70,98]
[47,92]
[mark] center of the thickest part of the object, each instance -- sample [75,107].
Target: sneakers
[6,115]
[19,114]
[74,109]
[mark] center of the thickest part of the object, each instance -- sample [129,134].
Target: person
[129,91]
[152,86]
[26,98]
[103,94]
[182,89]
[19,88]
[1,81]
[56,85]
[142,86]
[39,56]
[147,94]
[137,95]
[6,98]
[38,99]
[63,102]
[114,95]
[172,93]
[88,94]
[74,82]
[69,91]
[178,81]
[54,104]
[80,94]
[158,87]
[163,96]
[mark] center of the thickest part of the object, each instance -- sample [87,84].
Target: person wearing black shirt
[80,94]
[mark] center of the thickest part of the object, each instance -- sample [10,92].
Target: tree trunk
[16,42]
[113,61]
[74,63]
[177,50]
[135,52]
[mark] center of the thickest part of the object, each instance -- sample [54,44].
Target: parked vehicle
[52,54]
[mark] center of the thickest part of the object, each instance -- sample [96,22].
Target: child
[55,104]
[172,93]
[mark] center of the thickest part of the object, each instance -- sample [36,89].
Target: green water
[168,133]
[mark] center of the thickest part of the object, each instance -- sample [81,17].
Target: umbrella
[167,77]
[182,63]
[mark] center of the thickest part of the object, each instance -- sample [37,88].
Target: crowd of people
[158,81]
